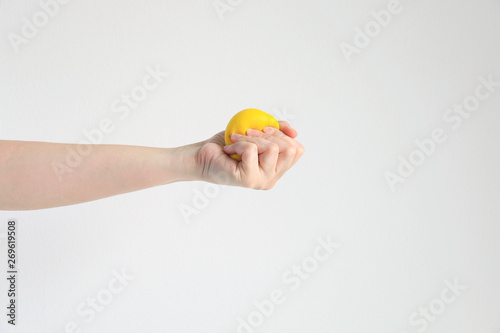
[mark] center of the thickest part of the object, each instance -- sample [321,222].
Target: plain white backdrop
[357,116]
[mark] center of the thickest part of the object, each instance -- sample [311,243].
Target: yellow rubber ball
[248,118]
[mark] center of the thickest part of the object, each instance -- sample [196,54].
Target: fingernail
[253,132]
[235,136]
[269,130]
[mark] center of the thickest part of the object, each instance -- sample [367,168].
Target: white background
[354,118]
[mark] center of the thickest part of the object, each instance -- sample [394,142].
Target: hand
[266,156]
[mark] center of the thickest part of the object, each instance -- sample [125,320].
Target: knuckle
[290,151]
[274,148]
[300,149]
[250,147]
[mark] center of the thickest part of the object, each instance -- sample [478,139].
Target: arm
[36,175]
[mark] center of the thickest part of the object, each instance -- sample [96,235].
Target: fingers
[287,129]
[265,155]
[248,152]
[286,148]
[290,149]
[267,152]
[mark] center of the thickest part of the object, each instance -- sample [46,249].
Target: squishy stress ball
[249,118]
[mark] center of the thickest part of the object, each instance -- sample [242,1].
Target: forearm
[35,175]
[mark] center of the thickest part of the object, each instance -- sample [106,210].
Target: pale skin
[28,180]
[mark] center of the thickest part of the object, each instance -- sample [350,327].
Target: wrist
[182,163]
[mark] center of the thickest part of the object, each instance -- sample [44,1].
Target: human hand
[265,156]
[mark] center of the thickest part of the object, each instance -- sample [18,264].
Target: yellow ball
[249,118]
